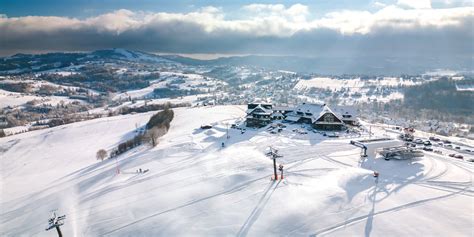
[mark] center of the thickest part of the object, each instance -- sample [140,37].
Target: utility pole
[275,169]
[273,154]
[370,132]
[280,167]
[55,222]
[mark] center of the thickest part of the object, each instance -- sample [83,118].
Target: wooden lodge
[258,115]
[321,117]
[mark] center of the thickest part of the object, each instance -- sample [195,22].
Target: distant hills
[24,63]
[339,65]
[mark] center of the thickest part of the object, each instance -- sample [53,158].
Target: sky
[329,28]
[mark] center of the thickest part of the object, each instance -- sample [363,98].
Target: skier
[223,144]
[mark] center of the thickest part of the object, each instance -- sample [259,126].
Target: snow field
[195,187]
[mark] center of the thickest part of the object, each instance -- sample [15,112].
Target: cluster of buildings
[320,117]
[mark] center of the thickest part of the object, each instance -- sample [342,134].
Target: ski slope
[196,187]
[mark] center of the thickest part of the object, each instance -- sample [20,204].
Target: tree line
[157,126]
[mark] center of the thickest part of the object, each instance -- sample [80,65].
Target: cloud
[261,28]
[379,4]
[416,4]
[295,13]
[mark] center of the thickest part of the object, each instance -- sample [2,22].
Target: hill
[196,187]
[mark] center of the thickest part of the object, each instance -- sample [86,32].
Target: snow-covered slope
[195,187]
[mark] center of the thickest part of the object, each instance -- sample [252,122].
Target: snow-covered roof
[282,108]
[341,110]
[309,108]
[313,111]
[292,118]
[259,107]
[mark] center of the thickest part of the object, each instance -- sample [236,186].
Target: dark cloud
[207,32]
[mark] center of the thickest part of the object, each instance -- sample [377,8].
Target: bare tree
[101,154]
[154,133]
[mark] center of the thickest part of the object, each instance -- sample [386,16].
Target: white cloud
[364,22]
[416,4]
[266,20]
[379,4]
[294,13]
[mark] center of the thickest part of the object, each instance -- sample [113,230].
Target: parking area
[441,146]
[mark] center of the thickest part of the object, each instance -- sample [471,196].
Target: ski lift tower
[273,154]
[55,222]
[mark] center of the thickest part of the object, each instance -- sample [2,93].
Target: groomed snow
[195,187]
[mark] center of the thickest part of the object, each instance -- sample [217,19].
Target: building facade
[320,117]
[258,115]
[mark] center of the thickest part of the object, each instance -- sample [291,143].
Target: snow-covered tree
[101,154]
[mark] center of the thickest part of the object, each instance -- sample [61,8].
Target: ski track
[226,192]
[355,220]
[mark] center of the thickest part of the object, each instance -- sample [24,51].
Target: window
[328,118]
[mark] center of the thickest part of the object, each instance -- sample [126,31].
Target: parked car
[332,134]
[449,146]
[467,150]
[408,139]
[207,126]
[435,139]
[427,148]
[427,143]
[458,156]
[447,141]
[458,147]
[452,155]
[418,141]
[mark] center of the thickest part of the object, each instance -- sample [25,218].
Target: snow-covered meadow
[196,187]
